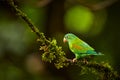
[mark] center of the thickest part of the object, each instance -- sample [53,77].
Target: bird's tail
[99,53]
[91,52]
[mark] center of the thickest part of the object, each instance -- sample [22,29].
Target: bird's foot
[85,61]
[74,60]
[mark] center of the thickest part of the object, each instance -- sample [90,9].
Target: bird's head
[69,37]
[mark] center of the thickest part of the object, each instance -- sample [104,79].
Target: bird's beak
[64,40]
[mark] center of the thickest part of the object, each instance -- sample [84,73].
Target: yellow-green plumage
[78,46]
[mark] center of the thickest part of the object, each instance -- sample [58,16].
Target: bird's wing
[81,46]
[85,45]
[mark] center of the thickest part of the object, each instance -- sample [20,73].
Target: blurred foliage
[18,49]
[79,19]
[36,14]
[99,22]
[82,20]
[15,43]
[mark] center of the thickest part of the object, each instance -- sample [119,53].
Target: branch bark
[94,6]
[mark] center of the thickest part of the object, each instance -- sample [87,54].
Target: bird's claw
[74,60]
[85,61]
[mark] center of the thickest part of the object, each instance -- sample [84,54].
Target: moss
[53,54]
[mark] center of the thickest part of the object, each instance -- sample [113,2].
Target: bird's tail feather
[99,53]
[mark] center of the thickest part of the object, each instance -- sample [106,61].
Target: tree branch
[105,68]
[101,5]
[93,6]
[26,19]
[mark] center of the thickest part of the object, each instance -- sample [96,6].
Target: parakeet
[79,47]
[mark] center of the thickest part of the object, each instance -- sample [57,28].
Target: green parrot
[79,47]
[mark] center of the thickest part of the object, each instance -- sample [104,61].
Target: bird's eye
[67,37]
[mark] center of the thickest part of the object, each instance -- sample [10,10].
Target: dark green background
[19,52]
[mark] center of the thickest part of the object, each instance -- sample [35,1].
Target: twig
[27,20]
[102,5]
[94,6]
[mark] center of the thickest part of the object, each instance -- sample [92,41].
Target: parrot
[80,48]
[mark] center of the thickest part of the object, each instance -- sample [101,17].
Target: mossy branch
[53,53]
[105,70]
[26,19]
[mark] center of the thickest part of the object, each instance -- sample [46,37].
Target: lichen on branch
[53,54]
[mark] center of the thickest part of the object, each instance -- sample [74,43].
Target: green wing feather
[79,46]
